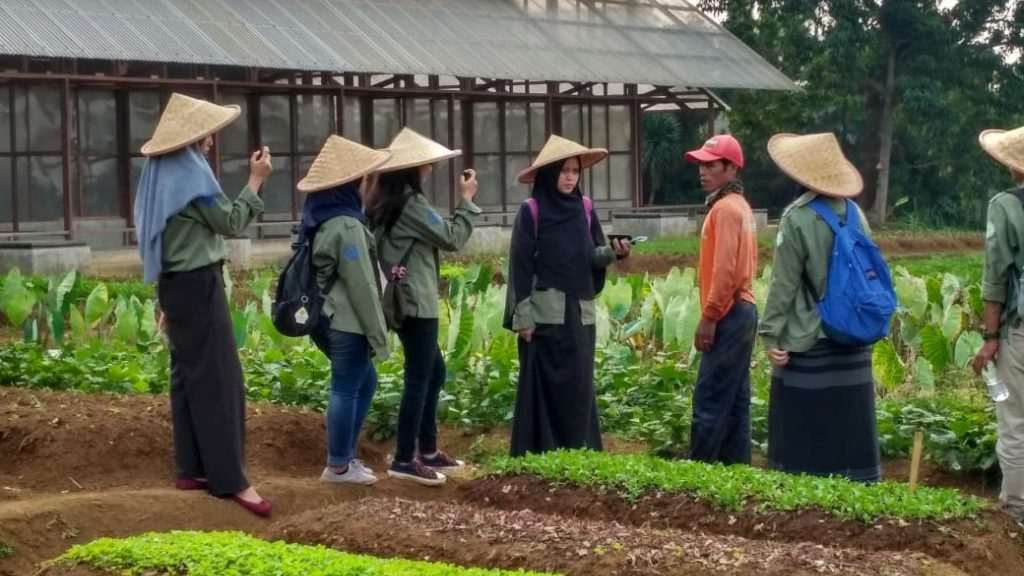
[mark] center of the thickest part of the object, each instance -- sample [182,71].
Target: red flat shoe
[190,484]
[261,508]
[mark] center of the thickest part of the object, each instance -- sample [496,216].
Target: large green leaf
[976,302]
[910,292]
[97,305]
[618,295]
[887,366]
[925,374]
[20,306]
[689,318]
[239,325]
[910,332]
[13,284]
[78,325]
[147,320]
[935,347]
[484,275]
[952,323]
[951,286]
[460,341]
[55,321]
[670,321]
[966,347]
[126,322]
[933,286]
[59,290]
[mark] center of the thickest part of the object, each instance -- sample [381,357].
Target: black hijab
[320,207]
[558,254]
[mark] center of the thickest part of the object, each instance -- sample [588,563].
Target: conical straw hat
[1005,146]
[341,161]
[410,149]
[817,162]
[558,148]
[186,121]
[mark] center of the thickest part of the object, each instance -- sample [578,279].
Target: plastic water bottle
[997,390]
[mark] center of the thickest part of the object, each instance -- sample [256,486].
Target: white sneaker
[354,475]
[358,463]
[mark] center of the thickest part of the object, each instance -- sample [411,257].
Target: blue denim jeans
[353,382]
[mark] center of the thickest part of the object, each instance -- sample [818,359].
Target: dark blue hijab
[341,200]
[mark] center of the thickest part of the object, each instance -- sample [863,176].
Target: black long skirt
[556,406]
[207,385]
[821,414]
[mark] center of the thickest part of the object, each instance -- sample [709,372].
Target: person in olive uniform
[410,231]
[1003,333]
[557,265]
[181,217]
[821,407]
[351,331]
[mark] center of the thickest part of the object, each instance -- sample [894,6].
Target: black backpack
[296,307]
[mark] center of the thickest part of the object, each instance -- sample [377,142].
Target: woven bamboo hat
[410,149]
[817,162]
[558,148]
[341,161]
[186,121]
[1006,146]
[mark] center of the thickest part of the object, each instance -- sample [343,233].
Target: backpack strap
[822,208]
[588,207]
[531,203]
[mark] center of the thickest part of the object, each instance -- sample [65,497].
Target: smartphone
[634,240]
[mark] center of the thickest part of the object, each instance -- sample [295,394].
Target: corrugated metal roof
[660,42]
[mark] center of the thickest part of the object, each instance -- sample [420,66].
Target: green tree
[907,85]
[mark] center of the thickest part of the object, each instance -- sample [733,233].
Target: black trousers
[207,387]
[424,378]
[720,430]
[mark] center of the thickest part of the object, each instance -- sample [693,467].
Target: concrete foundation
[43,258]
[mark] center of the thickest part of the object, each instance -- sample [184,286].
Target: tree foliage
[956,73]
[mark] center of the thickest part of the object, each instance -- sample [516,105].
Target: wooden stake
[915,459]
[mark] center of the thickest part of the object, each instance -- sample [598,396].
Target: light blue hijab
[167,185]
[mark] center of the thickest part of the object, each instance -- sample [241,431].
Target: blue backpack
[859,299]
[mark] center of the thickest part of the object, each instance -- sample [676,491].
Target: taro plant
[40,312]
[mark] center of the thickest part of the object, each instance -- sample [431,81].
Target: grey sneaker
[354,475]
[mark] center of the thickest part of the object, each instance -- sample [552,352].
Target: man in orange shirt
[720,431]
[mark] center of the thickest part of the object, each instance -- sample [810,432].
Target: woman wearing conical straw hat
[409,234]
[1003,294]
[821,418]
[181,219]
[557,262]
[351,331]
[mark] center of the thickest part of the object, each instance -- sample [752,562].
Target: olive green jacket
[1004,256]
[345,259]
[420,227]
[194,237]
[803,249]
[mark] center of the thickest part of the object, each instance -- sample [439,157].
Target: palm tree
[662,149]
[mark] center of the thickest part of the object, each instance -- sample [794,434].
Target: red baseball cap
[721,147]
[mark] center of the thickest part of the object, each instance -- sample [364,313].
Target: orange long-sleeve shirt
[728,257]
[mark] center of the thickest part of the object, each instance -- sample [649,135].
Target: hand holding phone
[468,184]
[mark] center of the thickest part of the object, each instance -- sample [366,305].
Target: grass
[6,549]
[238,554]
[739,487]
[966,265]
